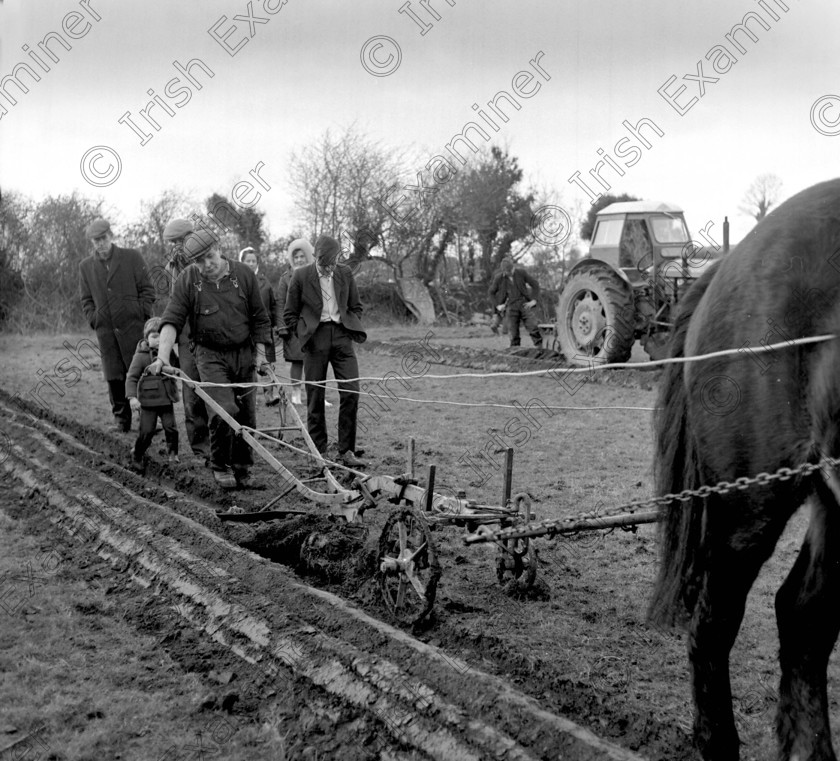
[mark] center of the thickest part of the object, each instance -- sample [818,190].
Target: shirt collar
[321,273]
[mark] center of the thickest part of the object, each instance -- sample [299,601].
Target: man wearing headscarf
[117,298]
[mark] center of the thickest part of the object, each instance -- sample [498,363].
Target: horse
[740,415]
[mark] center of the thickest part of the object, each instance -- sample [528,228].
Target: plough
[408,564]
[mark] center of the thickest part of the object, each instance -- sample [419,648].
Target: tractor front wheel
[595,318]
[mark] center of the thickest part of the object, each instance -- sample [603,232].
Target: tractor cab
[644,240]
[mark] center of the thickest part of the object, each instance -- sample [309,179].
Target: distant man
[195,412]
[117,298]
[324,311]
[220,298]
[522,292]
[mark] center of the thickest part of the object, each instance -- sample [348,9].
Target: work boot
[349,460]
[244,479]
[225,479]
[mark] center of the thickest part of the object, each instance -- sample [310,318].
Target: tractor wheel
[595,318]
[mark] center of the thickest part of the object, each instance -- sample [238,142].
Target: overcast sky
[301,73]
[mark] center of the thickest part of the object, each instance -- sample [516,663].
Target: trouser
[119,404]
[517,313]
[148,422]
[228,450]
[498,321]
[331,345]
[195,411]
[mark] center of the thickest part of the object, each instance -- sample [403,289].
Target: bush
[383,304]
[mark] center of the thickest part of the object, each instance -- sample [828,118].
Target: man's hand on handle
[261,362]
[159,366]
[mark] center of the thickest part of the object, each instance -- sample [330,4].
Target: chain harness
[555,525]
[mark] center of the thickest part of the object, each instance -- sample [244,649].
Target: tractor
[639,264]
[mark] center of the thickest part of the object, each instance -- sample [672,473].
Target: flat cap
[326,249]
[177,228]
[198,244]
[97,227]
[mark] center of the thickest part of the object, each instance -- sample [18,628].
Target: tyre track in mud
[170,545]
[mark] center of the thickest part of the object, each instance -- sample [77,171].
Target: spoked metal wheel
[516,562]
[408,566]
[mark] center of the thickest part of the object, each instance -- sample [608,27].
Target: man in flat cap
[195,411]
[514,286]
[220,298]
[324,311]
[117,298]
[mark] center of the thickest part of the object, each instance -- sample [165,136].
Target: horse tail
[676,467]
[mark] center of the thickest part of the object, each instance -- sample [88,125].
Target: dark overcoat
[302,312]
[272,306]
[291,344]
[116,300]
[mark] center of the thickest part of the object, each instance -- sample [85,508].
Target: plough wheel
[408,566]
[516,562]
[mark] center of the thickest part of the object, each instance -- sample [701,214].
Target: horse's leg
[808,617]
[732,563]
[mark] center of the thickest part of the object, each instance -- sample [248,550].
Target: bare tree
[48,262]
[338,181]
[761,196]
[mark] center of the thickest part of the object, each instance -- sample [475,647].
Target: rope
[304,452]
[393,398]
[503,374]
[565,370]
[627,365]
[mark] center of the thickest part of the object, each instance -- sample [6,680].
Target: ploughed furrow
[171,545]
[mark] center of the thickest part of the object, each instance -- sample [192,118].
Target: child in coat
[152,395]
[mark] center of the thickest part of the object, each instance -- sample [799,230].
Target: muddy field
[578,643]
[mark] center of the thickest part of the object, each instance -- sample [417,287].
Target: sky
[298,68]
